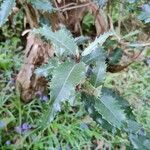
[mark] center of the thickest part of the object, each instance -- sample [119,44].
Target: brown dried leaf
[73,17]
[37,52]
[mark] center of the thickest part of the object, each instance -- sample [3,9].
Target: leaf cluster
[73,71]
[86,76]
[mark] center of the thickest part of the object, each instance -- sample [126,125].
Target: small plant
[71,72]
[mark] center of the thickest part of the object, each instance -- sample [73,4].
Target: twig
[75,7]
[120,38]
[66,6]
[60,14]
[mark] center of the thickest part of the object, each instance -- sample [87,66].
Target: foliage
[88,22]
[100,40]
[76,77]
[65,77]
[107,106]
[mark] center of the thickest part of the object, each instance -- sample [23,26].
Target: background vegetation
[73,128]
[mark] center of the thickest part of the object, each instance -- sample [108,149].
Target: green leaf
[131,126]
[99,73]
[97,54]
[100,40]
[120,100]
[111,111]
[5,10]
[62,40]
[109,108]
[115,56]
[44,5]
[89,104]
[92,106]
[65,78]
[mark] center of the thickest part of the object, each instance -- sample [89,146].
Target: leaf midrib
[65,81]
[61,43]
[110,111]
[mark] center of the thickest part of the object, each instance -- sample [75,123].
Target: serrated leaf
[107,107]
[100,40]
[5,10]
[104,110]
[65,78]
[62,40]
[120,100]
[89,104]
[99,73]
[111,111]
[44,5]
[97,54]
[132,126]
